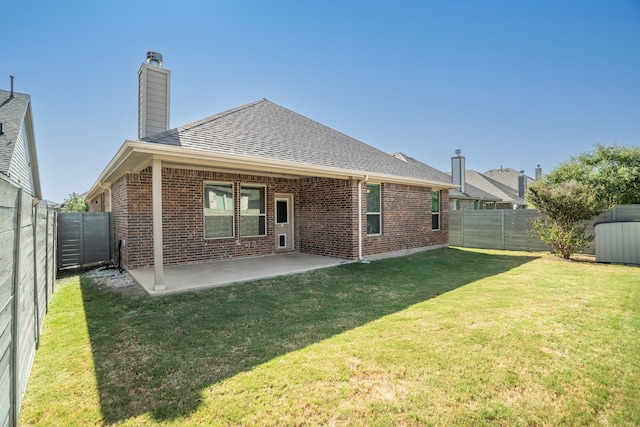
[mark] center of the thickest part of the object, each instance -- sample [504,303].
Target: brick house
[255,180]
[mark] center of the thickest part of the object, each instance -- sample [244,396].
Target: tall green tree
[566,205]
[613,172]
[75,203]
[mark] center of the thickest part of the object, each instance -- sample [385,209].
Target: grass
[447,337]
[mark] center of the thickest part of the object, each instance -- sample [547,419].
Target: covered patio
[194,277]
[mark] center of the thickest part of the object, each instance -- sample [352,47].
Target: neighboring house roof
[471,193]
[18,159]
[504,192]
[265,137]
[507,176]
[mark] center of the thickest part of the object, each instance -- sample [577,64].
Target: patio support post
[156,190]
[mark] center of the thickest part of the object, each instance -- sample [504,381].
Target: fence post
[16,308]
[36,304]
[462,228]
[46,261]
[502,230]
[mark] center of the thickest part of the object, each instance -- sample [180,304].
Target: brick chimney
[153,96]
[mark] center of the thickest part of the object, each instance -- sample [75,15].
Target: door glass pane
[282,213]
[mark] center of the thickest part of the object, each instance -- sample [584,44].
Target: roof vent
[154,58]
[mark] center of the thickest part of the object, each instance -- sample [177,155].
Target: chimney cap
[154,58]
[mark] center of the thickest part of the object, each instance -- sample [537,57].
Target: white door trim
[290,234]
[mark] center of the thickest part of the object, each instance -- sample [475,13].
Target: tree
[613,172]
[75,203]
[566,205]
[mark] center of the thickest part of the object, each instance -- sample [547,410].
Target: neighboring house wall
[20,168]
[466,205]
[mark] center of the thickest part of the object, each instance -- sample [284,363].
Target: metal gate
[84,238]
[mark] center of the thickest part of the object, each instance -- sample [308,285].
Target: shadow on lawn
[156,355]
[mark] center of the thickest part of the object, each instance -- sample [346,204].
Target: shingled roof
[506,193]
[263,137]
[266,130]
[472,192]
[12,113]
[18,160]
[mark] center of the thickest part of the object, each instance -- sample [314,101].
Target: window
[373,209]
[252,211]
[435,210]
[218,210]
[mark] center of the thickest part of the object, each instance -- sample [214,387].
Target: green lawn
[446,337]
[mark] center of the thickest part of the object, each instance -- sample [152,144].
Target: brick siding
[328,217]
[406,220]
[325,218]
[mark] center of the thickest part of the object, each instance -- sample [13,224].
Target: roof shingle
[266,130]
[12,115]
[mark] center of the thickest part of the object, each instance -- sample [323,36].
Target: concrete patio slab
[193,277]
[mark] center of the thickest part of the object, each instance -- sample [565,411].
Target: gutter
[145,152]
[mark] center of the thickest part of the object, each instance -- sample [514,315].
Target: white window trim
[379,213]
[438,212]
[233,210]
[250,185]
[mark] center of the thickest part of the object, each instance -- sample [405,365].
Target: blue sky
[511,83]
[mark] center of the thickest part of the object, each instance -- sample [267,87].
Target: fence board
[511,229]
[26,310]
[26,241]
[83,238]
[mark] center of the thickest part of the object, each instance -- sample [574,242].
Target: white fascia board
[124,162]
[105,177]
[187,156]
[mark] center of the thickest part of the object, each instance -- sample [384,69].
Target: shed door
[283,229]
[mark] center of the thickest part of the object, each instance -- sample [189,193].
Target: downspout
[106,188]
[366,178]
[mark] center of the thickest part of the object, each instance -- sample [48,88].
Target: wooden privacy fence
[27,274]
[84,238]
[494,229]
[511,229]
